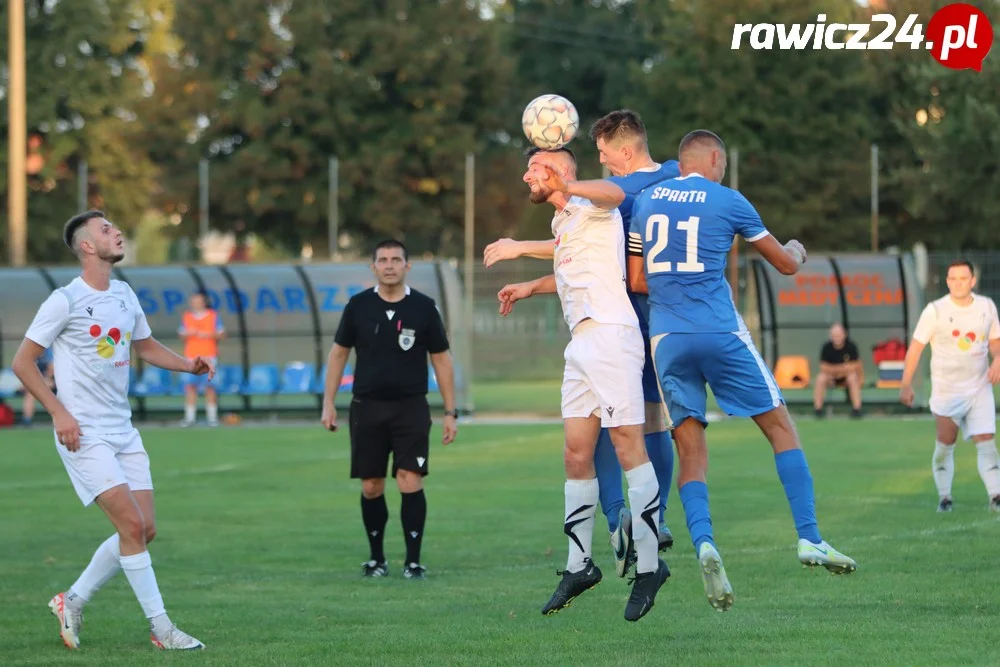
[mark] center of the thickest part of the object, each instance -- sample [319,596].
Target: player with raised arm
[622,144]
[682,230]
[963,331]
[92,325]
[602,380]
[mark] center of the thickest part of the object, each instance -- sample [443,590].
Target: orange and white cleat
[70,621]
[175,639]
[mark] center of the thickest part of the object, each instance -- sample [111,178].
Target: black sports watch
[451,413]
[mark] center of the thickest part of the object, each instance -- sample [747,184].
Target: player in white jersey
[602,379]
[92,325]
[620,139]
[963,331]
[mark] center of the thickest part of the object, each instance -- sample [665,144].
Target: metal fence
[528,344]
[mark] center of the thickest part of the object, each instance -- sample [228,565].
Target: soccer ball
[550,121]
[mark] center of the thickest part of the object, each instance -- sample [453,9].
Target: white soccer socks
[139,570]
[989,466]
[581,505]
[943,466]
[644,500]
[105,564]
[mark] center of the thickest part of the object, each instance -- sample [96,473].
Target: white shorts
[603,374]
[106,461]
[975,415]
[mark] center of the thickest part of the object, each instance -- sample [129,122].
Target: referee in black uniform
[393,328]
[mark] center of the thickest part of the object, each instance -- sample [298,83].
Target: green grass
[260,544]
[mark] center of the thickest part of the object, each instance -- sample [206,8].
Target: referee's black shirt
[391,342]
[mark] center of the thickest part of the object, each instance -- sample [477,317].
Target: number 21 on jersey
[658,232]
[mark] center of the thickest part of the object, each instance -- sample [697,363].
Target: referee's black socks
[375,514]
[413,512]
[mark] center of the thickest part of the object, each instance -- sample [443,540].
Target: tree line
[400,90]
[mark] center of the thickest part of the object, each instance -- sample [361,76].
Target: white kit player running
[963,331]
[602,380]
[92,324]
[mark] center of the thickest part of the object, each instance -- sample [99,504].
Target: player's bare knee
[626,437]
[777,427]
[630,446]
[578,460]
[372,487]
[409,481]
[132,529]
[150,532]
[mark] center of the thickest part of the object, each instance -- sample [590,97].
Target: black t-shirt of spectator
[833,355]
[391,342]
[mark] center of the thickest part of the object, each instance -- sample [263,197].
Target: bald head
[702,152]
[838,335]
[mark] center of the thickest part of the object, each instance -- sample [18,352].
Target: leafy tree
[942,129]
[799,118]
[84,75]
[399,91]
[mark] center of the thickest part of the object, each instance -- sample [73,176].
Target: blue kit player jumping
[680,236]
[621,142]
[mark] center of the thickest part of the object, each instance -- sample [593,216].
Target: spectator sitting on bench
[839,366]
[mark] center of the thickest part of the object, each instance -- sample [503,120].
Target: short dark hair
[75,223]
[390,243]
[535,150]
[963,262]
[620,124]
[701,138]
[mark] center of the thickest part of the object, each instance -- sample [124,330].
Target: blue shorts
[728,363]
[197,381]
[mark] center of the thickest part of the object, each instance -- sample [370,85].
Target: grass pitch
[260,542]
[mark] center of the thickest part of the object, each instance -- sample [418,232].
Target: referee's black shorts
[401,427]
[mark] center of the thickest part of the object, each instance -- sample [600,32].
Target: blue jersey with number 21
[633,185]
[684,229]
